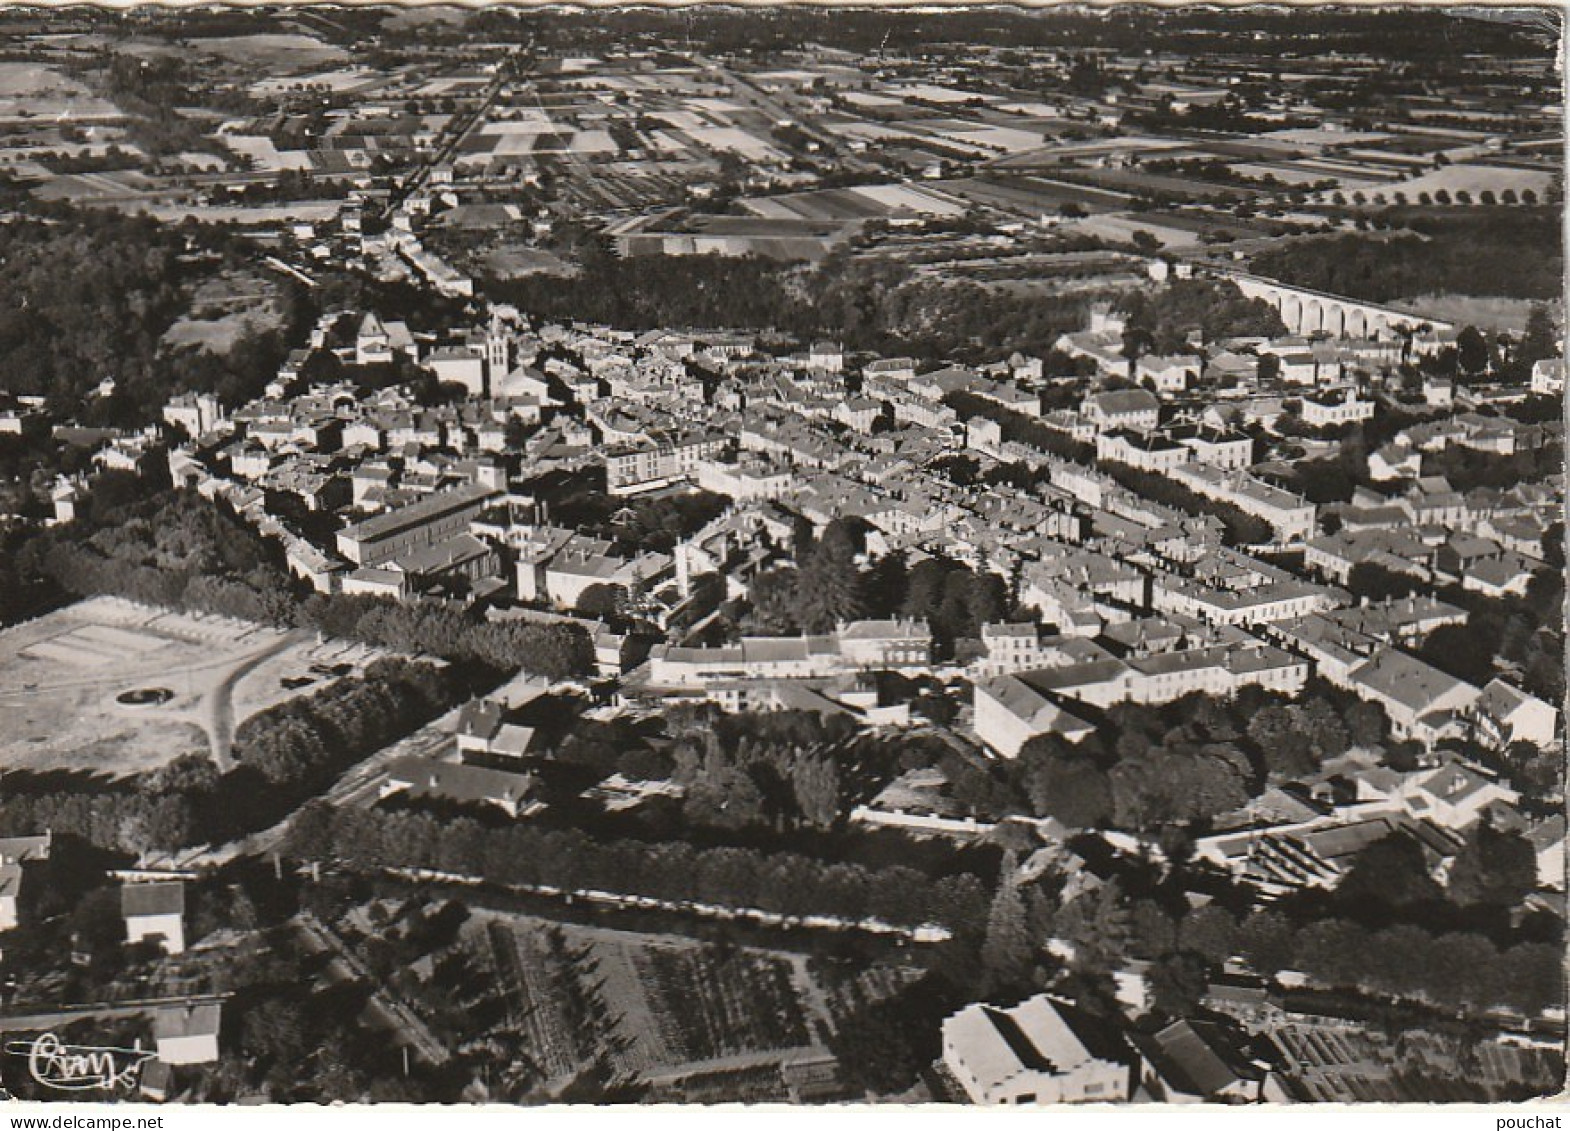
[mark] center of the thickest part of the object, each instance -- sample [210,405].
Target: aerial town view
[975,557]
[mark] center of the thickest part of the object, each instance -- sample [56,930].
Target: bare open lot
[116,688]
[225,309]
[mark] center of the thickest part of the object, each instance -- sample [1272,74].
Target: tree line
[866,304]
[1455,969]
[568,859]
[1512,252]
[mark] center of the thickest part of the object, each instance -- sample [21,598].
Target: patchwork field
[119,689]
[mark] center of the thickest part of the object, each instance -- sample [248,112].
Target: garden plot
[652,1003]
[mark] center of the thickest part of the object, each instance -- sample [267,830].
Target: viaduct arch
[1309,312]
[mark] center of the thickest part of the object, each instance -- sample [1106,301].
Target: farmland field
[271,51]
[32,90]
[1153,184]
[1473,180]
[515,261]
[1466,310]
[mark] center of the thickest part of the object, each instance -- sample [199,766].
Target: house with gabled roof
[1010,712]
[1421,701]
[1548,842]
[21,849]
[188,1033]
[1204,1061]
[512,792]
[10,892]
[1041,1051]
[372,342]
[14,852]
[1454,796]
[1135,409]
[1503,714]
[482,730]
[154,910]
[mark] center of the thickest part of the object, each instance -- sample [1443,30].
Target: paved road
[218,703]
[459,128]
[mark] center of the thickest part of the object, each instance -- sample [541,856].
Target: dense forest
[1513,252]
[865,305]
[88,295]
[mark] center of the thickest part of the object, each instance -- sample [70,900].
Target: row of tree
[553,651]
[1513,252]
[301,744]
[1458,969]
[120,821]
[569,860]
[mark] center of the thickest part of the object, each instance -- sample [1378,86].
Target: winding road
[217,705]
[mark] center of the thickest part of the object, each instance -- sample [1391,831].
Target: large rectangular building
[432,519]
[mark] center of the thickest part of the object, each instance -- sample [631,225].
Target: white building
[459,365]
[188,1034]
[1008,713]
[1135,409]
[1041,1051]
[1331,411]
[155,911]
[1548,377]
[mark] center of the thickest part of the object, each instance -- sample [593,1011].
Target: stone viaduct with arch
[1310,312]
